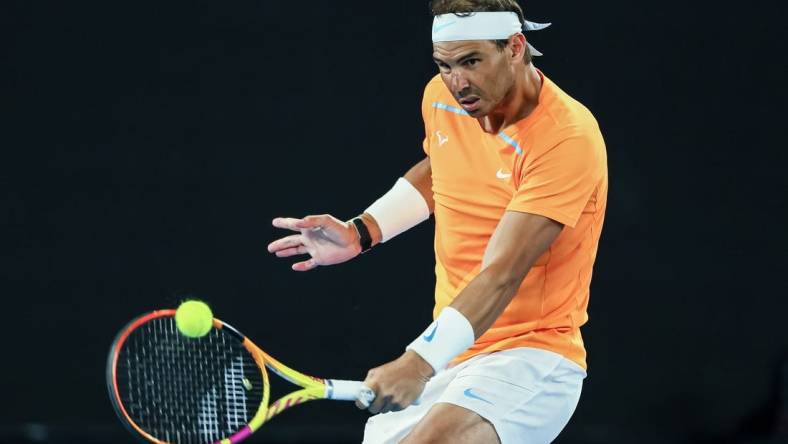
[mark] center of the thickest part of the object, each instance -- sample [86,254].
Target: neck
[518,103]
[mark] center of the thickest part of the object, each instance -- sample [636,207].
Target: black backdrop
[147,145]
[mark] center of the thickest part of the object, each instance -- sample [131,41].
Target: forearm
[514,247]
[518,241]
[473,311]
[486,297]
[402,205]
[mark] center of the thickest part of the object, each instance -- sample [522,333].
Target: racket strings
[185,390]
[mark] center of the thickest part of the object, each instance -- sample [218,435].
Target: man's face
[476,72]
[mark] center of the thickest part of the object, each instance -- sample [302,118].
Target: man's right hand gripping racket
[168,388]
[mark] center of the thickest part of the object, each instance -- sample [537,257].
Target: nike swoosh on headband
[445,25]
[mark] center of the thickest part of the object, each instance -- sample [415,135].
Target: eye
[471,62]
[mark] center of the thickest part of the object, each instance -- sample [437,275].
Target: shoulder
[567,123]
[435,85]
[435,90]
[568,117]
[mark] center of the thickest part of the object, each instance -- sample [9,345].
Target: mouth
[470,104]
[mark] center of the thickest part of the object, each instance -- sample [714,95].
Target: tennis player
[516,175]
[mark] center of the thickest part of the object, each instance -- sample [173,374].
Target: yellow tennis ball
[194,319]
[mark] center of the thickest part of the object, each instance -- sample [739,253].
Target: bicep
[518,241]
[420,176]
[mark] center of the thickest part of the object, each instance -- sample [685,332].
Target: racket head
[166,387]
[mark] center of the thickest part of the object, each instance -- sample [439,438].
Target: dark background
[147,145]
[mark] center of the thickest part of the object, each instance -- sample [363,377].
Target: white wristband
[448,336]
[400,209]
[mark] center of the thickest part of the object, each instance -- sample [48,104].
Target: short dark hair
[464,7]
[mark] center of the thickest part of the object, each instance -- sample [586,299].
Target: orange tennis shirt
[552,163]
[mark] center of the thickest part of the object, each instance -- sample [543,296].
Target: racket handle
[340,390]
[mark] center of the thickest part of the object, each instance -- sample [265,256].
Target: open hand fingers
[288,223]
[287,252]
[314,221]
[292,241]
[305,265]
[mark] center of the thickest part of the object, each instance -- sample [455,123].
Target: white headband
[498,25]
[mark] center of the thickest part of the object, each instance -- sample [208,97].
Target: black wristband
[363,233]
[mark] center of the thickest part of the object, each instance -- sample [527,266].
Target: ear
[517,47]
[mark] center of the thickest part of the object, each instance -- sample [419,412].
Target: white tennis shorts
[527,394]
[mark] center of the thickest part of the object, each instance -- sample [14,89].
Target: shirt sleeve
[560,181]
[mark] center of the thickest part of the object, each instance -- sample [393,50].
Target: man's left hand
[397,384]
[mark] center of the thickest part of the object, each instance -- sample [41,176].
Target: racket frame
[312,387]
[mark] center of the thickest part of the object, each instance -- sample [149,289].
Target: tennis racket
[168,388]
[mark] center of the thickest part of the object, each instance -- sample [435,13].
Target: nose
[458,81]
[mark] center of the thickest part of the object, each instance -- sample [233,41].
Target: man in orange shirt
[516,176]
